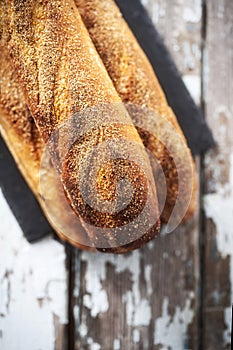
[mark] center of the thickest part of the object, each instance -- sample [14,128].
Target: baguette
[61,74]
[23,139]
[135,82]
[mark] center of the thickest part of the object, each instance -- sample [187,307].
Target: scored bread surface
[60,73]
[136,83]
[23,139]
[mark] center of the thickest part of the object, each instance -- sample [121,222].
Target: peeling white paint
[93,345]
[193,14]
[219,208]
[189,58]
[170,331]
[127,299]
[136,336]
[96,300]
[116,344]
[76,312]
[83,330]
[32,287]
[227,320]
[193,84]
[137,308]
[142,315]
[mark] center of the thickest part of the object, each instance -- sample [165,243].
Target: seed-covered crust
[60,74]
[135,82]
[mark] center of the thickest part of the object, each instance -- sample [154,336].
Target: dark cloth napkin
[20,198]
[22,201]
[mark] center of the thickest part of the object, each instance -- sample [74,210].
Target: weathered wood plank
[33,289]
[148,299]
[218,202]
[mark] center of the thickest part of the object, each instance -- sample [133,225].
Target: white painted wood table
[176,292]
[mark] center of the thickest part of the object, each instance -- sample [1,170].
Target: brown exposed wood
[218,167]
[60,335]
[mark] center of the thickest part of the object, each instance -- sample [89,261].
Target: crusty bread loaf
[135,81]
[23,139]
[19,131]
[60,74]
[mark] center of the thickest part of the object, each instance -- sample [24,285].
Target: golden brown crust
[19,131]
[135,81]
[55,60]
[17,125]
[60,73]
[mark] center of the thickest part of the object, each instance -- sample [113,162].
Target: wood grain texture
[148,299]
[218,201]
